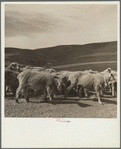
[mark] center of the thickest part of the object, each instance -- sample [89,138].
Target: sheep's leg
[26,93]
[17,93]
[80,92]
[45,95]
[68,90]
[112,85]
[98,96]
[85,92]
[50,94]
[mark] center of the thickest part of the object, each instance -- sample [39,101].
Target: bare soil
[58,56]
[72,107]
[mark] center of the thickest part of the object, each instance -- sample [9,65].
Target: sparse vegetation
[63,55]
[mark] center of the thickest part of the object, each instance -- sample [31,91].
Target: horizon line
[63,45]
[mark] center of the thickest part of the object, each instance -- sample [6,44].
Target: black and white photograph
[61,62]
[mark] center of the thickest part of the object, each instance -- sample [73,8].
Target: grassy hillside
[98,67]
[61,55]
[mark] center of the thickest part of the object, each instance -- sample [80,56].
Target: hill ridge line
[86,44]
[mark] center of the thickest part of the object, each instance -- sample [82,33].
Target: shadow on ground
[56,101]
[69,101]
[104,101]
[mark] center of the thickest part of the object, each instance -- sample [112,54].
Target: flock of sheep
[32,79]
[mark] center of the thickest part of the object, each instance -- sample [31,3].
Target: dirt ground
[72,107]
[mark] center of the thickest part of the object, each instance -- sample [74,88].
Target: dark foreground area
[72,107]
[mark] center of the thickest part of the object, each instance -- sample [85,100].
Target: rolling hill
[62,55]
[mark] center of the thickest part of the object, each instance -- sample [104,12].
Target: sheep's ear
[109,70]
[56,77]
[64,79]
[111,75]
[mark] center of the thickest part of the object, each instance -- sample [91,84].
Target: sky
[32,26]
